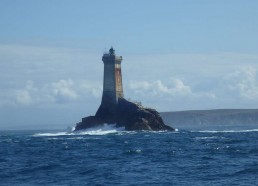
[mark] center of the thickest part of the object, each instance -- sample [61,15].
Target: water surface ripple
[129,158]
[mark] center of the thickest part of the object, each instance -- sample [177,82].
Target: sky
[177,55]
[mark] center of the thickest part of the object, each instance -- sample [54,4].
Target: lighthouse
[112,82]
[115,109]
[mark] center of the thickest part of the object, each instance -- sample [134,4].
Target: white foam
[102,130]
[227,131]
[52,134]
[204,138]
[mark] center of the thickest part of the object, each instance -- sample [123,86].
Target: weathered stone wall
[112,82]
[109,94]
[118,82]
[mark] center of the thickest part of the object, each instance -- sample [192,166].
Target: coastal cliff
[126,114]
[211,118]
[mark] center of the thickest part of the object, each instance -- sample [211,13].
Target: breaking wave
[206,137]
[227,131]
[102,130]
[51,134]
[105,129]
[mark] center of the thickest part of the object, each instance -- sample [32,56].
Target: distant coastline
[211,118]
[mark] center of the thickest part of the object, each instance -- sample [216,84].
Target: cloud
[42,81]
[92,88]
[156,88]
[38,63]
[42,75]
[48,76]
[173,94]
[242,83]
[235,89]
[185,66]
[23,97]
[63,90]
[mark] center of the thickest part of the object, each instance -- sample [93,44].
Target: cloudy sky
[177,55]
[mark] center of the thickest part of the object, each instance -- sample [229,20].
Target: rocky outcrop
[126,114]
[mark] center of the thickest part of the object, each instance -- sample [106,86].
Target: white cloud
[23,97]
[235,89]
[49,76]
[156,88]
[26,95]
[49,93]
[63,90]
[92,88]
[46,64]
[173,94]
[242,83]
[185,65]
[38,75]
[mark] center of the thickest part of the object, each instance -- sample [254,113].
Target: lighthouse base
[126,114]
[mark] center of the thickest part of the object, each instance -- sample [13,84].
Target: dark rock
[126,114]
[88,122]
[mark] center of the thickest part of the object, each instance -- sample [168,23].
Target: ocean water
[109,156]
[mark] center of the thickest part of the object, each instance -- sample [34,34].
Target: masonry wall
[109,93]
[112,82]
[118,81]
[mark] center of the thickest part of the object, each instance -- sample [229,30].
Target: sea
[112,156]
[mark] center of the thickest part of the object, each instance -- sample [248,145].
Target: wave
[204,138]
[102,130]
[105,129]
[227,131]
[51,134]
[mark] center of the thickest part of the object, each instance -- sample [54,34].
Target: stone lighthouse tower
[115,109]
[112,83]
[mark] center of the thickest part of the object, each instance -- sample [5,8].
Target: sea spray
[101,130]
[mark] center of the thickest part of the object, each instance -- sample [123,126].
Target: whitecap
[204,138]
[101,130]
[138,150]
[77,138]
[51,134]
[227,131]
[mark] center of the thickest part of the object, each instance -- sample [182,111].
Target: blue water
[111,157]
